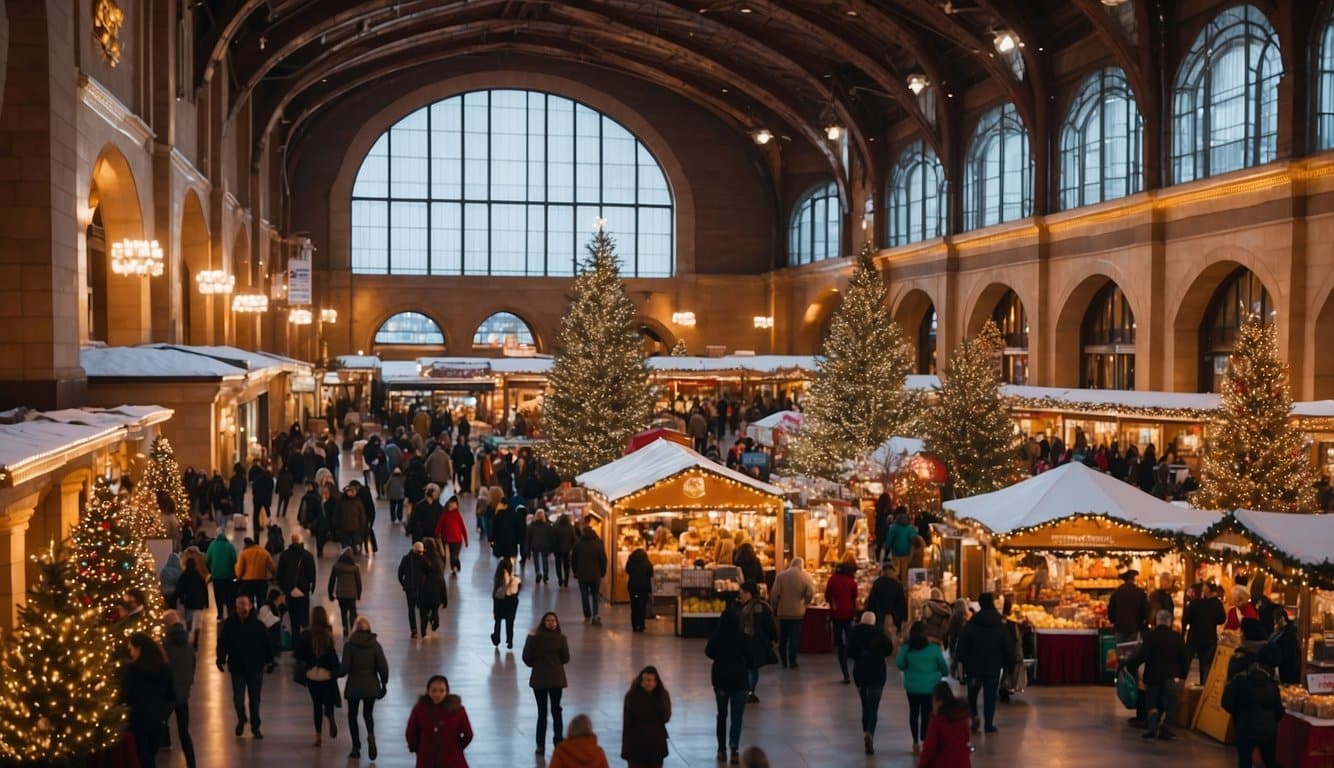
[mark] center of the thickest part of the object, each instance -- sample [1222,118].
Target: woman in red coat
[841,594]
[438,729]
[451,529]
[946,744]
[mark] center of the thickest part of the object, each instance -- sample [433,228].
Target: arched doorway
[407,335]
[505,332]
[655,339]
[1239,295]
[1012,321]
[1107,341]
[118,307]
[199,315]
[916,315]
[926,341]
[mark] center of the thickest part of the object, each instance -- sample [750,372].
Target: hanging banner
[298,276]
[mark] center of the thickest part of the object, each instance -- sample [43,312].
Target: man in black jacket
[1128,609]
[1252,698]
[413,571]
[1163,656]
[888,598]
[243,650]
[589,563]
[261,492]
[463,460]
[983,649]
[1201,620]
[296,578]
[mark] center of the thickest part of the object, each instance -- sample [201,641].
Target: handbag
[1127,688]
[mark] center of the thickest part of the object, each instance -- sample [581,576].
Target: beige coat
[793,591]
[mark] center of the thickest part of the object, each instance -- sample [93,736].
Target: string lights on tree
[599,381]
[110,559]
[58,674]
[159,492]
[856,399]
[1255,457]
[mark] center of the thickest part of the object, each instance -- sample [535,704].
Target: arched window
[504,330]
[1101,142]
[917,202]
[1225,107]
[410,328]
[1240,294]
[1324,85]
[1012,321]
[926,342]
[1107,338]
[508,182]
[998,172]
[816,230]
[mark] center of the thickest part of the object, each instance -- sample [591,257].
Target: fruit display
[713,605]
[1097,583]
[1066,616]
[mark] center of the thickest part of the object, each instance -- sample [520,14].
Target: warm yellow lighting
[684,319]
[762,136]
[137,258]
[917,83]
[250,302]
[299,316]
[833,131]
[215,281]
[1006,41]
[329,316]
[763,321]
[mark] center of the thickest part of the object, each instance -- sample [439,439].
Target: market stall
[1092,526]
[772,429]
[689,514]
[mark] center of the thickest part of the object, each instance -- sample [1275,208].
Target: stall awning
[762,431]
[653,466]
[1308,539]
[649,436]
[1291,545]
[1075,508]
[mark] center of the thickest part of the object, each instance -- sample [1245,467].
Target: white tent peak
[654,463]
[1304,537]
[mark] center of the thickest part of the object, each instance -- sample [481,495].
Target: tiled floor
[805,718]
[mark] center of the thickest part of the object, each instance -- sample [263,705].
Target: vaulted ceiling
[792,66]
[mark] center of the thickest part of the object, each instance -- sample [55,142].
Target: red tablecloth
[1067,658]
[1304,744]
[816,634]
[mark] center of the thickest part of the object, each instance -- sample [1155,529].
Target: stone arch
[1189,311]
[119,308]
[200,314]
[539,343]
[818,317]
[1322,329]
[406,351]
[914,309]
[1069,324]
[657,337]
[983,304]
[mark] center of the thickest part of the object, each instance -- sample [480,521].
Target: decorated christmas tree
[58,674]
[159,490]
[856,399]
[969,425]
[1254,456]
[110,559]
[679,349]
[599,381]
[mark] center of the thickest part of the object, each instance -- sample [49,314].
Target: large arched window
[1101,142]
[917,202]
[816,230]
[1012,321]
[508,182]
[410,328]
[1225,106]
[504,330]
[1107,338]
[926,341]
[1240,294]
[1324,85]
[998,172]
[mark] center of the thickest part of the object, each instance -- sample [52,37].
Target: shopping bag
[1127,688]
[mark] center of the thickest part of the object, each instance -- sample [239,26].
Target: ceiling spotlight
[762,136]
[1005,41]
[833,131]
[746,10]
[1113,3]
[850,12]
[917,83]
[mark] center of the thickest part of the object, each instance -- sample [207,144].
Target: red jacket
[946,744]
[841,594]
[438,733]
[450,528]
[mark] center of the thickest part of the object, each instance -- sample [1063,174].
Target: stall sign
[1320,683]
[759,459]
[1230,541]
[1083,534]
[455,371]
[303,383]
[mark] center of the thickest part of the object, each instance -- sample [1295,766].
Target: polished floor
[805,717]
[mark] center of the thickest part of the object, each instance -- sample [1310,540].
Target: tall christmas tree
[110,559]
[856,399]
[599,381]
[969,426]
[58,674]
[159,490]
[1254,456]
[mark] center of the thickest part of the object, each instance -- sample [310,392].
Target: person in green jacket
[901,534]
[923,664]
[221,561]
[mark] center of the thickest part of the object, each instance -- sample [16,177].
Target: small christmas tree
[1254,457]
[679,349]
[58,674]
[160,490]
[856,399]
[970,426]
[110,559]
[599,382]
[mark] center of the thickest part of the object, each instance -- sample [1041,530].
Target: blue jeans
[988,685]
[736,702]
[870,707]
[754,676]
[588,598]
[789,639]
[541,565]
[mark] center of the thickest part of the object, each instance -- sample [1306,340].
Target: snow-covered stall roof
[41,436]
[359,361]
[242,358]
[654,463]
[1308,539]
[1074,489]
[894,449]
[153,363]
[762,431]
[764,364]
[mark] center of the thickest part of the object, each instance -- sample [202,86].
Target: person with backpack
[984,648]
[761,631]
[869,647]
[1252,698]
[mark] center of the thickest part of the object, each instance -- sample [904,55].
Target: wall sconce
[137,258]
[299,316]
[329,316]
[833,131]
[917,83]
[215,281]
[763,321]
[255,303]
[684,319]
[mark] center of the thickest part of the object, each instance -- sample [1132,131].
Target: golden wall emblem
[107,20]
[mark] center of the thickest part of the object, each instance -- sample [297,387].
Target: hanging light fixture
[299,316]
[137,258]
[763,321]
[833,131]
[762,136]
[917,83]
[1006,41]
[329,316]
[214,281]
[684,319]
[250,302]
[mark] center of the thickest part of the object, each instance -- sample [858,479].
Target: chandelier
[137,258]
[212,281]
[250,302]
[329,316]
[299,316]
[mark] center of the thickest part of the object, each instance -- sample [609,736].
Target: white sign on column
[298,276]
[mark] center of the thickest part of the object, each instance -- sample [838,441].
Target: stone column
[13,559]
[70,488]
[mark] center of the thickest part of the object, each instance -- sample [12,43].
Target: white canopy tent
[1308,539]
[654,463]
[762,431]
